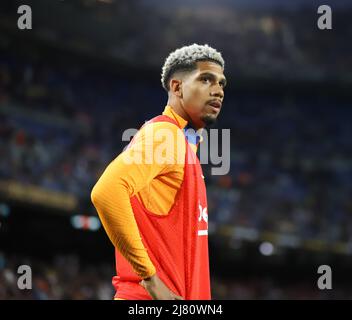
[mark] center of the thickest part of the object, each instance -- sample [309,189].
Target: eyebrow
[209,74]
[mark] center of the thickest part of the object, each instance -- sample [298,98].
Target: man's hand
[158,290]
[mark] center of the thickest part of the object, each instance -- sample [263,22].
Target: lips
[215,103]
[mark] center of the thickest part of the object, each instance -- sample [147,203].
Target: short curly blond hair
[185,59]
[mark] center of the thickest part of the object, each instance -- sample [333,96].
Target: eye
[205,80]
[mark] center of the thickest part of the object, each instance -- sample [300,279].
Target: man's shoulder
[165,135]
[159,127]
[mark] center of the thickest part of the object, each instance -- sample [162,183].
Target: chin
[209,120]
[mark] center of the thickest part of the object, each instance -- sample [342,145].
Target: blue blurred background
[90,69]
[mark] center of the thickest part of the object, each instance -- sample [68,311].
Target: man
[152,203]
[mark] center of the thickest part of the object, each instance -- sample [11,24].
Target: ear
[176,87]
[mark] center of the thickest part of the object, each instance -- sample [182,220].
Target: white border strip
[202,232]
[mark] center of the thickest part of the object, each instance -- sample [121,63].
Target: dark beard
[209,121]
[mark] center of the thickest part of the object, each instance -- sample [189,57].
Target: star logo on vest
[203,216]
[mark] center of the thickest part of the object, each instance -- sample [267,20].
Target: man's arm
[111,196]
[158,290]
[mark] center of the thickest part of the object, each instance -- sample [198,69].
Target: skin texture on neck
[177,107]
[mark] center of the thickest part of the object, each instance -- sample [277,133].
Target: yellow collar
[170,112]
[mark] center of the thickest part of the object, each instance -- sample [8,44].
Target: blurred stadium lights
[245,233]
[266,248]
[106,1]
[85,222]
[288,241]
[235,244]
[2,261]
[237,236]
[15,191]
[212,227]
[4,210]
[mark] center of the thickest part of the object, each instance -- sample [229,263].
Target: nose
[218,92]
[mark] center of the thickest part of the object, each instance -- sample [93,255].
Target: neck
[178,108]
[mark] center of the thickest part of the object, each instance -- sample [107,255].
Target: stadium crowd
[291,159]
[291,154]
[69,278]
[282,41]
[65,278]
